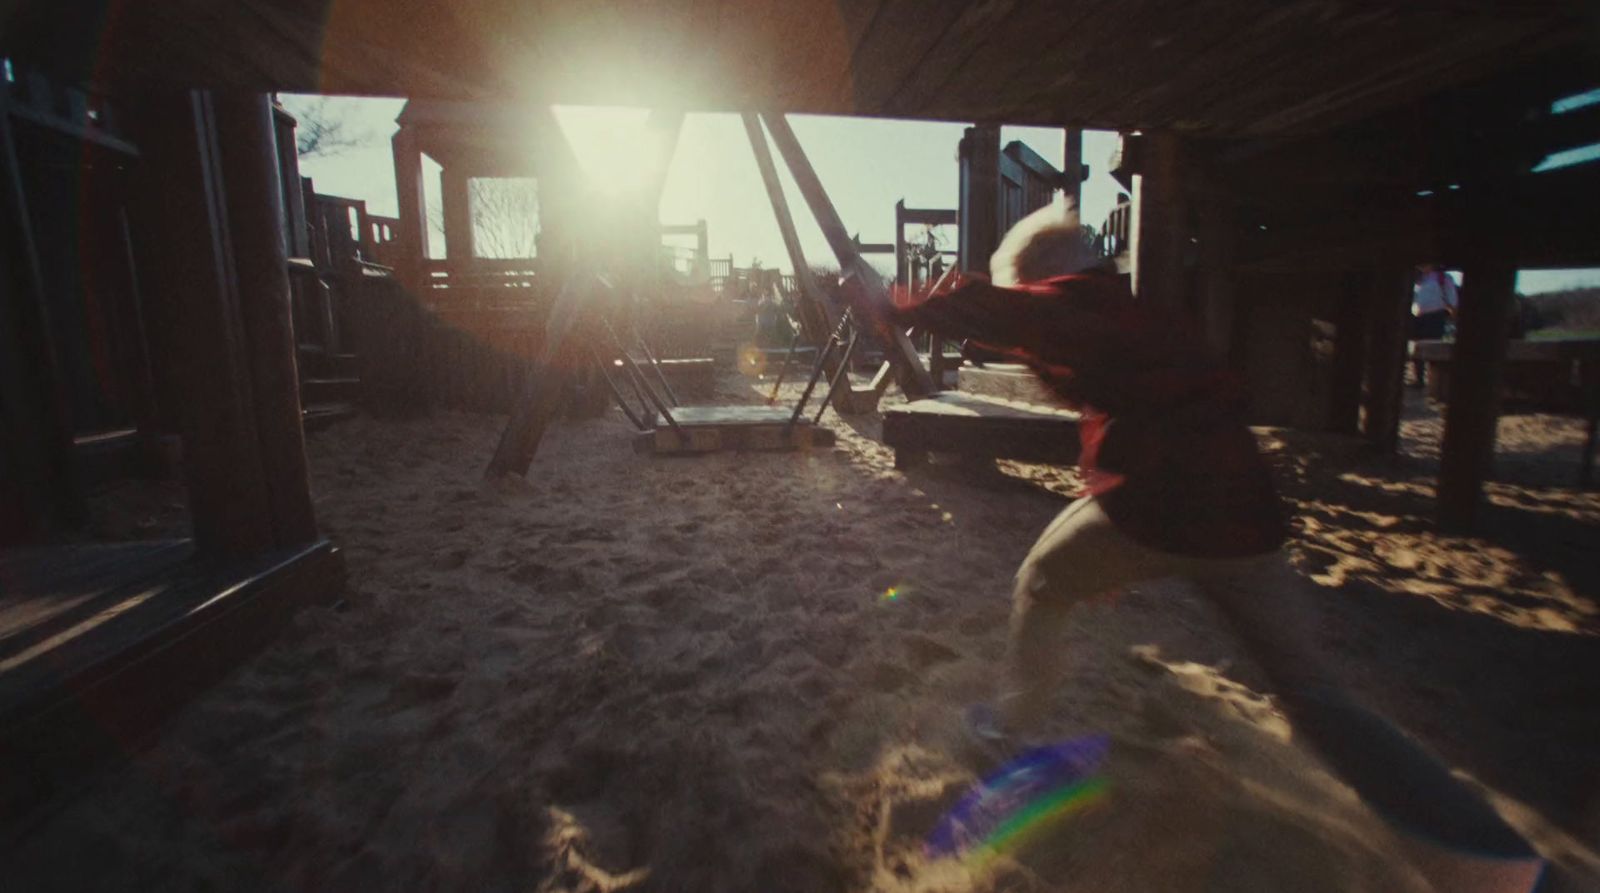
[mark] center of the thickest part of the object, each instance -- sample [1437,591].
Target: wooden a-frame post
[564,349]
[870,296]
[817,315]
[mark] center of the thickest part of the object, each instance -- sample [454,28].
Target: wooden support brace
[548,376]
[869,295]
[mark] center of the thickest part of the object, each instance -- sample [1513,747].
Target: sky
[866,165]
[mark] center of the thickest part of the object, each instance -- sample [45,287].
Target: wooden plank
[93,692]
[47,586]
[256,215]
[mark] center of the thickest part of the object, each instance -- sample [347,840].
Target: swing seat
[709,429]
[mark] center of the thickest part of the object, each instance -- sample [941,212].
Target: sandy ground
[684,675]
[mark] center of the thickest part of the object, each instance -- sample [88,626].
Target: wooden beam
[1483,323]
[869,295]
[255,221]
[1160,236]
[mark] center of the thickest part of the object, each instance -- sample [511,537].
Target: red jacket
[1165,447]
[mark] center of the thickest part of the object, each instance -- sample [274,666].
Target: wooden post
[411,237]
[869,296]
[255,215]
[39,491]
[1350,322]
[1483,323]
[1160,232]
[179,217]
[902,264]
[1218,235]
[456,197]
[1072,166]
[979,227]
[1388,322]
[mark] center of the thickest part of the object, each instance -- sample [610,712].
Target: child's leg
[1458,838]
[1079,556]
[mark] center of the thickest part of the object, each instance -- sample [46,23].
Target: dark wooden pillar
[1349,341]
[256,214]
[1073,169]
[1160,236]
[1483,323]
[1388,319]
[39,492]
[1218,235]
[979,228]
[456,197]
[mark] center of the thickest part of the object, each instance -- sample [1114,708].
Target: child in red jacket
[1178,488]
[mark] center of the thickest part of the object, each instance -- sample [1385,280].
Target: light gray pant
[1083,555]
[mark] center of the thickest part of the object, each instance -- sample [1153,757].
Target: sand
[630,673]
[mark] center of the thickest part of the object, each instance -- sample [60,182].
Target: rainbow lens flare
[895,593]
[1016,802]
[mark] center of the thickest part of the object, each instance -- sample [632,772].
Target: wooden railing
[1114,235]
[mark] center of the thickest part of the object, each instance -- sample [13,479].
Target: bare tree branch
[319,130]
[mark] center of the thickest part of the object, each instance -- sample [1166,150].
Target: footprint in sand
[889,677]
[925,651]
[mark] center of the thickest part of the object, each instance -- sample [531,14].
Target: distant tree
[319,130]
[505,217]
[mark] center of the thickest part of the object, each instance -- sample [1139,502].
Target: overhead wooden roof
[1239,67]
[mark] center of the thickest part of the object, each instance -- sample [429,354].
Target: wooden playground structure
[179,300]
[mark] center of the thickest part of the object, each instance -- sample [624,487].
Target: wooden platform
[1005,381]
[709,429]
[979,426]
[101,643]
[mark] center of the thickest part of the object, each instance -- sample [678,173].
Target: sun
[610,143]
